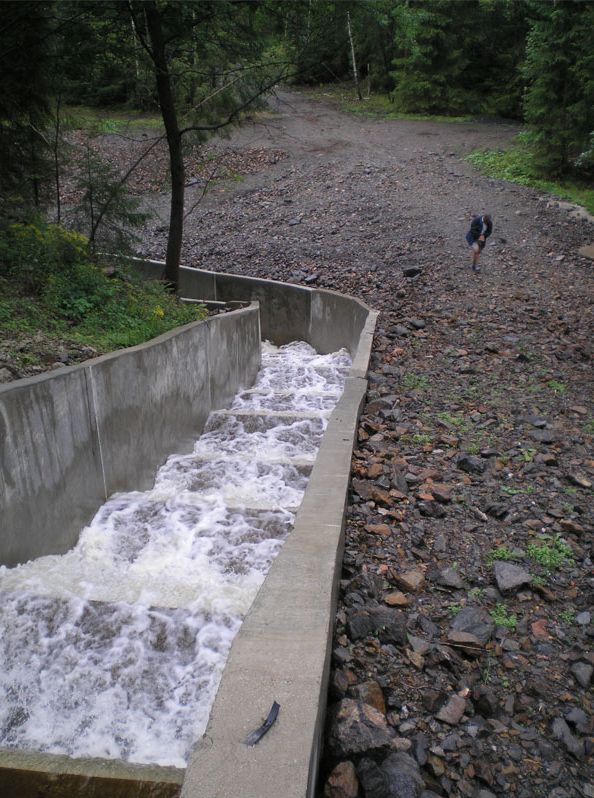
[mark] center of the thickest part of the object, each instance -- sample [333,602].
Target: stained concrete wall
[282,651]
[70,439]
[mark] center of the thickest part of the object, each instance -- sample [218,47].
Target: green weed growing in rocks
[453,609]
[550,553]
[556,386]
[567,616]
[501,617]
[415,382]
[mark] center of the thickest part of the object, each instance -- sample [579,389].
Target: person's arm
[489,229]
[476,227]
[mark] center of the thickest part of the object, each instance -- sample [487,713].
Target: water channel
[116,648]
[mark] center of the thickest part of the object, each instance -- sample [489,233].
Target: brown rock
[410,580]
[451,713]
[379,529]
[396,599]
[375,470]
[469,643]
[356,727]
[371,693]
[342,782]
[442,493]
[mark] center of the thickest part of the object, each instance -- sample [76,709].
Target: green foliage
[559,104]
[35,252]
[502,618]
[517,164]
[48,283]
[453,609]
[550,552]
[567,616]
[415,382]
[24,108]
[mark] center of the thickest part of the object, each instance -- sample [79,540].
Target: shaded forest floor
[463,652]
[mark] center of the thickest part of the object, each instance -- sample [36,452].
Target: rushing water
[116,648]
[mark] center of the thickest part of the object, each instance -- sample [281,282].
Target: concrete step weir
[90,441]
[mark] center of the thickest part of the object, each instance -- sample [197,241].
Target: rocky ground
[463,652]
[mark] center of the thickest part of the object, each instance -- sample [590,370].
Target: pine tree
[559,103]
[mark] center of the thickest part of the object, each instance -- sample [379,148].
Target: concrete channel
[70,439]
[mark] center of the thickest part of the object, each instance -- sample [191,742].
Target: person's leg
[476,253]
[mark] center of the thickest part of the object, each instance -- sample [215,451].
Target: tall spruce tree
[559,105]
[24,105]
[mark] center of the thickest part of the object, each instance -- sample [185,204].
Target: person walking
[481,228]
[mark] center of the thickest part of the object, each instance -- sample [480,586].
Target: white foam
[116,648]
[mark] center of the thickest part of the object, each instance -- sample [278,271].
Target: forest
[199,66]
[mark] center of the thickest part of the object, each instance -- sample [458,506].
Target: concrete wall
[69,439]
[282,651]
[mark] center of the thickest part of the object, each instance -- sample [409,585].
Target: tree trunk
[355,74]
[174,141]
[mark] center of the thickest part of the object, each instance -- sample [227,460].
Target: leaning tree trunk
[174,141]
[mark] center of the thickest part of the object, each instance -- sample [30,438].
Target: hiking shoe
[476,268]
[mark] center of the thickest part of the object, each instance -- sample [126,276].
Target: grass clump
[415,382]
[550,553]
[517,165]
[501,617]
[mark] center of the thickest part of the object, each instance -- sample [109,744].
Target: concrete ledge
[282,651]
[26,774]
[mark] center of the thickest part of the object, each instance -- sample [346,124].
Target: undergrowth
[49,285]
[516,164]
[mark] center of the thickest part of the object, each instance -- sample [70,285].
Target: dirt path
[463,652]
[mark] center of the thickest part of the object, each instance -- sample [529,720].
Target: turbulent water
[116,648]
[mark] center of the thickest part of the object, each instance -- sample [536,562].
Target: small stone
[582,673]
[418,324]
[543,436]
[579,480]
[398,776]
[410,580]
[293,222]
[453,711]
[442,493]
[379,529]
[411,271]
[510,577]
[475,621]
[356,727]
[342,782]
[471,464]
[371,693]
[447,577]
[583,619]
[396,599]
[388,624]
[5,375]
[562,732]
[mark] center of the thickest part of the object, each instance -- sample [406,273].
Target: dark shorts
[472,241]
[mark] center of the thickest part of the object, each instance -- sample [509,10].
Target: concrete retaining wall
[69,439]
[282,651]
